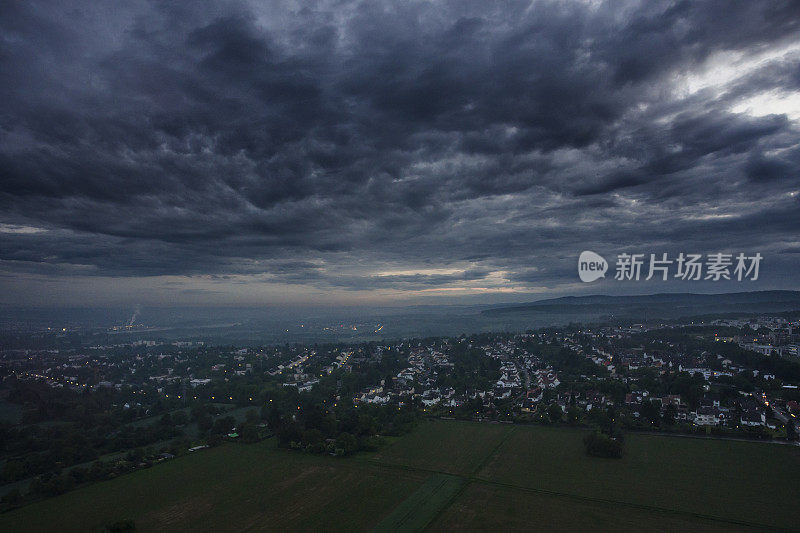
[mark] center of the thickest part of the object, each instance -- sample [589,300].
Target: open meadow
[230,488]
[447,475]
[742,481]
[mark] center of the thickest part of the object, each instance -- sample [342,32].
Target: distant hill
[664,305]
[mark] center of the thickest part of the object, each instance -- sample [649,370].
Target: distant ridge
[662,304]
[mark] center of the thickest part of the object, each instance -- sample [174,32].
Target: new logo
[591,266]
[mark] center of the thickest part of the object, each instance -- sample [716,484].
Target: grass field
[444,446]
[230,488]
[745,481]
[423,506]
[445,476]
[484,507]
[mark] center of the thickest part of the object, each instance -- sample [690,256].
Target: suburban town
[129,405]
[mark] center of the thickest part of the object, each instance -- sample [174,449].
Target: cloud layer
[393,146]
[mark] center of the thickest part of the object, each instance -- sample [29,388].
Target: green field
[233,487]
[746,481]
[440,446]
[424,505]
[483,507]
[447,475]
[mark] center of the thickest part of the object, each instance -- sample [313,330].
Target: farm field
[447,475]
[484,507]
[445,446]
[233,487]
[746,481]
[191,430]
[424,505]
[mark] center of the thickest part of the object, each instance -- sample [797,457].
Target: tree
[573,415]
[204,422]
[223,425]
[366,425]
[670,413]
[347,443]
[791,429]
[611,413]
[600,445]
[651,411]
[249,433]
[313,436]
[273,417]
[554,412]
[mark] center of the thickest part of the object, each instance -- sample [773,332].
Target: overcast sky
[389,152]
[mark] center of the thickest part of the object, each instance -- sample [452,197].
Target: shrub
[600,445]
[347,443]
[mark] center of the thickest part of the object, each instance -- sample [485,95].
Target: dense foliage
[601,445]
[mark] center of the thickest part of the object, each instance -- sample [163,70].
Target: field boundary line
[448,503]
[401,518]
[493,451]
[577,497]
[468,480]
[642,506]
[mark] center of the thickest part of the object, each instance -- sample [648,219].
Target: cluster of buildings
[526,379]
[766,335]
[632,368]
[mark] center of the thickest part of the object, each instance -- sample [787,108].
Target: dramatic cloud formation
[383,150]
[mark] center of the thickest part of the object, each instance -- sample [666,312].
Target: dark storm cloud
[335,143]
[765,168]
